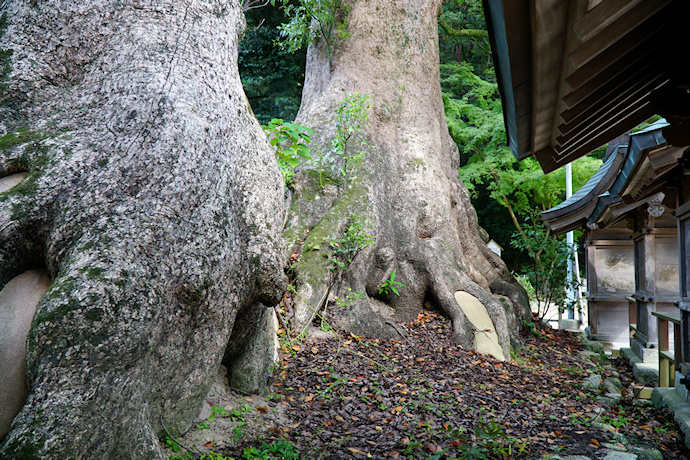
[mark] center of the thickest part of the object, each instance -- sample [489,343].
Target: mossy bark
[425,227]
[153,200]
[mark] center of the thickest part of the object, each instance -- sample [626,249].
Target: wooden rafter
[610,107]
[617,76]
[625,121]
[597,68]
[646,38]
[603,14]
[641,15]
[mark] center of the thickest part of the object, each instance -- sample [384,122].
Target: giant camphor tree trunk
[408,185]
[148,195]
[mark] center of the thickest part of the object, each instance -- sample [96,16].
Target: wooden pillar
[682,213]
[642,248]
[643,239]
[591,272]
[684,335]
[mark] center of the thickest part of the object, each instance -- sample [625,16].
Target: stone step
[669,397]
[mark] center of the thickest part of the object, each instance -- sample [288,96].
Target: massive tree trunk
[149,195]
[425,226]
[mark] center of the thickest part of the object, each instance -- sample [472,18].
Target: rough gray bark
[151,200]
[426,228]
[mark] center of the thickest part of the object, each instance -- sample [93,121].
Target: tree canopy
[272,76]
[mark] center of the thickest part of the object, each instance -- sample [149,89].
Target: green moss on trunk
[313,265]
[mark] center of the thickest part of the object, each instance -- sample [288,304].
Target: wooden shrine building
[625,209]
[576,74]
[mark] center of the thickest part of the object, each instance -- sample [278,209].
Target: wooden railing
[668,358]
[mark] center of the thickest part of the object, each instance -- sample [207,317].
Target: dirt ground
[337,396]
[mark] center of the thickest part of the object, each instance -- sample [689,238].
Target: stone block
[642,392]
[593,382]
[613,385]
[18,301]
[646,374]
[680,389]
[570,324]
[668,397]
[615,455]
[485,336]
[646,354]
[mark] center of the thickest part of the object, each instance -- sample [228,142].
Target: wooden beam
[647,13]
[602,134]
[601,16]
[564,143]
[612,92]
[573,151]
[549,22]
[609,107]
[546,158]
[576,9]
[665,156]
[643,40]
[591,4]
[618,75]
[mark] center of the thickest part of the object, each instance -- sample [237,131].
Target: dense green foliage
[508,195]
[475,120]
[309,20]
[544,273]
[272,76]
[291,142]
[463,36]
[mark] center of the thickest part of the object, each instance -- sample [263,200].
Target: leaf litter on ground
[423,396]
